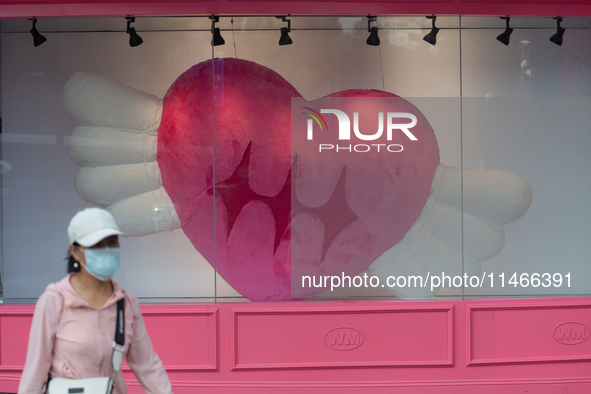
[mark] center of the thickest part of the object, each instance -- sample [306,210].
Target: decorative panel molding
[185,340]
[538,345]
[523,334]
[15,325]
[483,386]
[341,337]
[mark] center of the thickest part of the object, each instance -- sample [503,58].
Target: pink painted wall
[481,346]
[66,8]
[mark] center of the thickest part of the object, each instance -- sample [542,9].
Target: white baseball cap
[91,225]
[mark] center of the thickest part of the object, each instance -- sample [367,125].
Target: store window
[324,169]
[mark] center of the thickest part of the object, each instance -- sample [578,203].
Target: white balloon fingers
[94,100]
[106,185]
[99,146]
[501,196]
[483,238]
[436,254]
[115,145]
[146,213]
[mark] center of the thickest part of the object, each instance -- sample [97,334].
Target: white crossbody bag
[102,385]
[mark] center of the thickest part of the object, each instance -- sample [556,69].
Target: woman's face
[109,242]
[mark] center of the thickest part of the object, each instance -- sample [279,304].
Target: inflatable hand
[155,165]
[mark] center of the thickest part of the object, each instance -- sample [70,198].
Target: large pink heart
[345,210]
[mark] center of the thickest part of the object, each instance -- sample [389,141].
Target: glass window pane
[525,122]
[354,205]
[102,148]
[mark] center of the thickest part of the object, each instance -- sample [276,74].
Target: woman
[74,322]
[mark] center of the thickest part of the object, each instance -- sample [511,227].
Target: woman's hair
[72,260]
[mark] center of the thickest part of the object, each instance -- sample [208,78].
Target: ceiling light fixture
[431,38]
[557,37]
[38,39]
[504,36]
[134,38]
[373,38]
[285,39]
[217,38]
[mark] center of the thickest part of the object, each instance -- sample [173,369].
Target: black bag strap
[120,325]
[119,343]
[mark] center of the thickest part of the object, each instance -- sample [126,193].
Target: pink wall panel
[341,337]
[185,340]
[518,334]
[14,336]
[419,347]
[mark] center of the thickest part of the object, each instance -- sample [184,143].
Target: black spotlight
[285,39]
[557,37]
[373,38]
[431,38]
[217,36]
[134,39]
[504,36]
[38,39]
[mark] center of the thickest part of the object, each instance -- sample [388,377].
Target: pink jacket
[70,339]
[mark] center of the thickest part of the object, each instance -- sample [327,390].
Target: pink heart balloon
[281,207]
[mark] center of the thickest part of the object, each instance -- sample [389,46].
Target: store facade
[340,197]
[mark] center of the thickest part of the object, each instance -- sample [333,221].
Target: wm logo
[571,333]
[344,338]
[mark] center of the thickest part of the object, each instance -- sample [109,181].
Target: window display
[322,169]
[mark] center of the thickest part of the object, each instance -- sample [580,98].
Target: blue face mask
[102,263]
